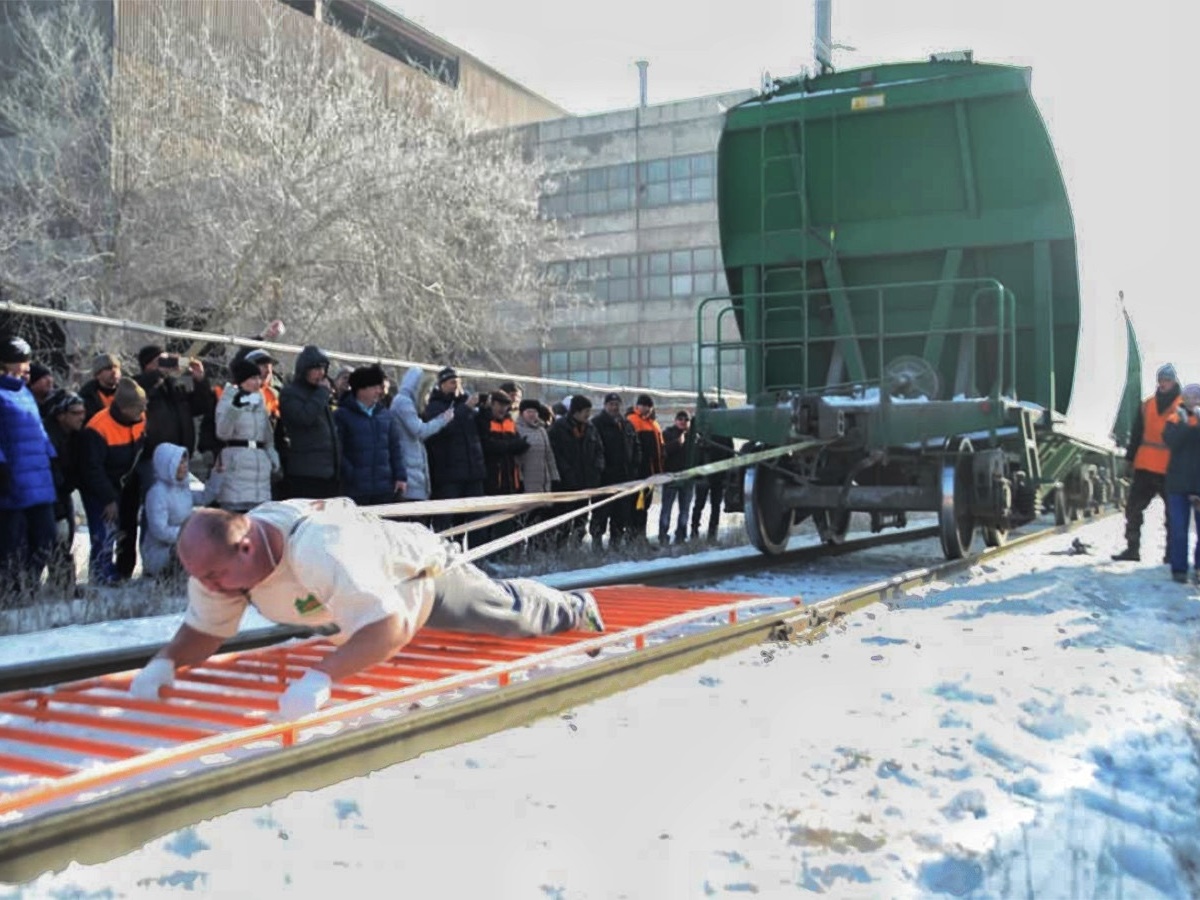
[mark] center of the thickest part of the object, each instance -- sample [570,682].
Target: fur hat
[366,376]
[37,372]
[578,404]
[148,354]
[129,394]
[611,396]
[103,361]
[14,349]
[446,374]
[644,400]
[530,403]
[1167,371]
[241,369]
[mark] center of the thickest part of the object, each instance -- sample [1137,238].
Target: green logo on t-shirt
[306,605]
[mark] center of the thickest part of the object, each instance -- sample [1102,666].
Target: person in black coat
[372,456]
[172,405]
[620,465]
[313,462]
[456,465]
[579,455]
[64,420]
[711,488]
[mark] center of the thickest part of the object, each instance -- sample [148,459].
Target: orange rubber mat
[56,743]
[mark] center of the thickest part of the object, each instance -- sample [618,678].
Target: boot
[1129,554]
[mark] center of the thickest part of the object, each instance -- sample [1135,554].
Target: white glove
[305,696]
[159,672]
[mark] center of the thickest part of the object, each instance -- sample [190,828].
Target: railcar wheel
[956,523]
[768,520]
[1061,513]
[995,536]
[832,525]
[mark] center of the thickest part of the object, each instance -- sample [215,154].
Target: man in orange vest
[1149,455]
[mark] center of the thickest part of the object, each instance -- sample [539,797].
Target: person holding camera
[1182,435]
[172,403]
[456,466]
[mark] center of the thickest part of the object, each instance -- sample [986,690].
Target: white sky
[1123,127]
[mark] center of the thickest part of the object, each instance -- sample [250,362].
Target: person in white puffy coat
[168,503]
[248,461]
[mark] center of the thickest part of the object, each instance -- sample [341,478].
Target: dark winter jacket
[1182,435]
[26,478]
[95,398]
[112,448]
[620,448]
[307,417]
[372,455]
[578,453]
[715,448]
[455,452]
[68,445]
[674,449]
[501,447]
[171,408]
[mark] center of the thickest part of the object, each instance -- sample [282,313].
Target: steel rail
[110,825]
[45,673]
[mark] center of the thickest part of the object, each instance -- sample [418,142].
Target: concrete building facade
[639,186]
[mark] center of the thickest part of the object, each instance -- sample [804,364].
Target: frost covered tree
[281,169]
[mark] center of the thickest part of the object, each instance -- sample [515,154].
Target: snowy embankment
[1023,731]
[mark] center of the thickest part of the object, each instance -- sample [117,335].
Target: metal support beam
[843,318]
[862,498]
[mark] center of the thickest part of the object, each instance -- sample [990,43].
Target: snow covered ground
[1022,731]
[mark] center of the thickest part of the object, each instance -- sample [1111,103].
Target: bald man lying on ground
[317,562]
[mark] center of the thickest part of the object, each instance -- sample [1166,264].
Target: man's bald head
[222,551]
[210,531]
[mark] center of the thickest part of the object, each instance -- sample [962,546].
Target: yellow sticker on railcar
[867,101]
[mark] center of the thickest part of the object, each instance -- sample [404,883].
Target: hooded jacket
[168,503]
[413,435]
[307,415]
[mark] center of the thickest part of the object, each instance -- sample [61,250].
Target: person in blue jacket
[372,455]
[27,495]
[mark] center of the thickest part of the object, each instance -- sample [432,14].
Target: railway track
[45,673]
[114,822]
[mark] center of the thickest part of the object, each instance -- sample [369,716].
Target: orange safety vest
[513,471]
[1152,453]
[640,424]
[114,433]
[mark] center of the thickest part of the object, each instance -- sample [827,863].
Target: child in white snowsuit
[168,502]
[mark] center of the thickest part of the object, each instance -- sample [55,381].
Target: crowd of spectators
[140,452]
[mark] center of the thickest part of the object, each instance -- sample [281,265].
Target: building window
[608,189]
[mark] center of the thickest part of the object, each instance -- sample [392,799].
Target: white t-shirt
[341,564]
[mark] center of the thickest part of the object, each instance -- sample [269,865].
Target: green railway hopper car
[904,303]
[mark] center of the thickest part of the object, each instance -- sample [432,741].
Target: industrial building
[639,187]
